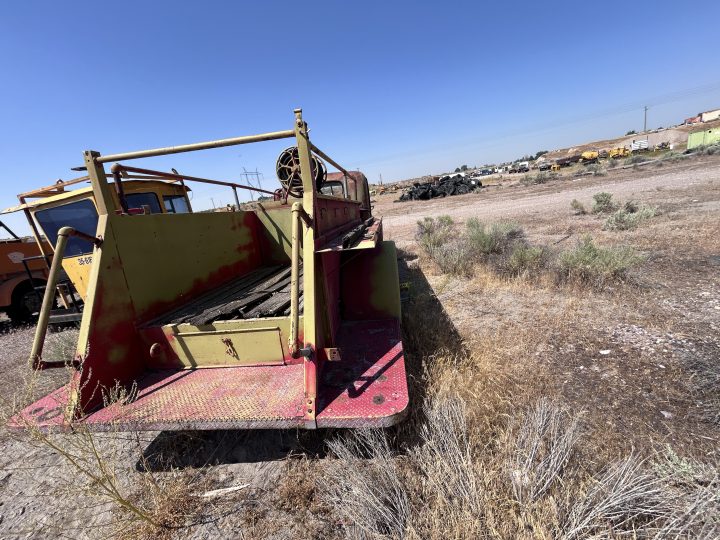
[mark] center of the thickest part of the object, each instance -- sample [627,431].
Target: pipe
[49,298]
[295,279]
[237,200]
[328,159]
[117,177]
[160,174]
[196,146]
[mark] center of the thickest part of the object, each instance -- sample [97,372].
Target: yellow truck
[50,208]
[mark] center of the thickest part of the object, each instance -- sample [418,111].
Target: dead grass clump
[591,264]
[627,497]
[364,486]
[578,207]
[705,373]
[544,444]
[603,203]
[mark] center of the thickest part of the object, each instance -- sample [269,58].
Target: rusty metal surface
[368,386]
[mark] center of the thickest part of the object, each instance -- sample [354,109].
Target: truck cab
[54,207]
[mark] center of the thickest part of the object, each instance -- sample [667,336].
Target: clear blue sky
[393,88]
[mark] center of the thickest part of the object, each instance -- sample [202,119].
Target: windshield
[80,215]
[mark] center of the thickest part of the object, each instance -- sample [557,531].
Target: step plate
[366,388]
[208,398]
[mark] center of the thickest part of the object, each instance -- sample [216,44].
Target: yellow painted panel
[229,347]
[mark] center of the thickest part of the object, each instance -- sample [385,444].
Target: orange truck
[19,298]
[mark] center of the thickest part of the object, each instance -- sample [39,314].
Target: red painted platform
[367,388]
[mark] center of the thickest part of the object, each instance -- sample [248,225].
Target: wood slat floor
[262,293]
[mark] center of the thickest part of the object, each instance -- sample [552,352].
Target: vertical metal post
[101,190]
[237,200]
[294,279]
[309,307]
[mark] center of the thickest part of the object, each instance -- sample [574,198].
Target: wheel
[25,303]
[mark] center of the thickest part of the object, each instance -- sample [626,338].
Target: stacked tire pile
[445,186]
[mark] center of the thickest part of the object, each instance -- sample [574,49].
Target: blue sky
[393,88]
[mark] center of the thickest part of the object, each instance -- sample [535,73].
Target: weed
[544,444]
[636,159]
[578,207]
[433,233]
[364,486]
[594,265]
[495,239]
[596,169]
[527,261]
[629,217]
[603,203]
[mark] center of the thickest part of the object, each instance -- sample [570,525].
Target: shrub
[629,217]
[594,265]
[432,233]
[457,254]
[578,207]
[603,203]
[634,160]
[525,260]
[495,239]
[595,169]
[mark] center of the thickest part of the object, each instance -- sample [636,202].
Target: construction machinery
[589,156]
[617,153]
[284,316]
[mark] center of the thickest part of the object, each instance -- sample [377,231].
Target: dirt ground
[628,359]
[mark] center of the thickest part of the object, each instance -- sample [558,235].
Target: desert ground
[544,405]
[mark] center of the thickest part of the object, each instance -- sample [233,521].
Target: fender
[7,287]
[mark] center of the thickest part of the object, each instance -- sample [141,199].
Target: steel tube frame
[180,177]
[294,279]
[332,162]
[219,143]
[53,277]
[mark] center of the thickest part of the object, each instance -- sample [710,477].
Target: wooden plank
[215,296]
[247,296]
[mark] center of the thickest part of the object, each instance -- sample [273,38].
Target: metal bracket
[332,354]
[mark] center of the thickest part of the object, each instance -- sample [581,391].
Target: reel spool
[288,171]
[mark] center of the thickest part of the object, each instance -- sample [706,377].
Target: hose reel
[288,171]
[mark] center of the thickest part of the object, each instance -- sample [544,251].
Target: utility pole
[645,123]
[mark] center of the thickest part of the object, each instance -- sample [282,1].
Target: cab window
[175,204]
[138,200]
[335,189]
[80,215]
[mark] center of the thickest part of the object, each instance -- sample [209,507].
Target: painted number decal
[85,260]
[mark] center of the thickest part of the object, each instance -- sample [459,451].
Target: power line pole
[645,123]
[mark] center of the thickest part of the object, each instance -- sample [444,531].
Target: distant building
[708,116]
[693,120]
[703,137]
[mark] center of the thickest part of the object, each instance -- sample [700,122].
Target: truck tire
[25,303]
